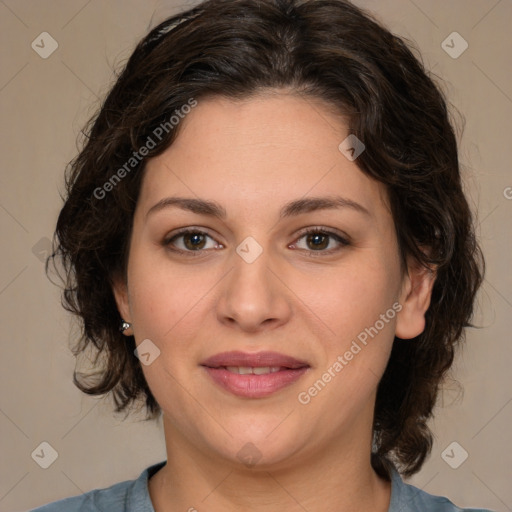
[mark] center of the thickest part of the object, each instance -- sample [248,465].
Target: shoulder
[408,498]
[130,495]
[113,497]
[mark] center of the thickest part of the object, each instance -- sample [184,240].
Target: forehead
[259,152]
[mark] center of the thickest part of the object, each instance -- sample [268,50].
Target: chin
[266,449]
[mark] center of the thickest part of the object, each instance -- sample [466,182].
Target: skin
[252,157]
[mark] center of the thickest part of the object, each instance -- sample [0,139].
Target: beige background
[44,104]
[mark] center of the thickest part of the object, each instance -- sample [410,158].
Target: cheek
[165,303]
[163,296]
[347,300]
[358,310]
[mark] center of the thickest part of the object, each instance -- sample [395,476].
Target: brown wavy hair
[326,49]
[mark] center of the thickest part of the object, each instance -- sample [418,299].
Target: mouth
[251,370]
[254,375]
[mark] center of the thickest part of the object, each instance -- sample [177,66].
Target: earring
[124,326]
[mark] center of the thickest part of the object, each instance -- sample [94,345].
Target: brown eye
[193,241]
[321,241]
[190,241]
[318,241]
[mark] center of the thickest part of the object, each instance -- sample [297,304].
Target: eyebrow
[293,208]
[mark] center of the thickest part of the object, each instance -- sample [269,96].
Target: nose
[254,296]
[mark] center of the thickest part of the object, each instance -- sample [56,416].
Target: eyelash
[344,242]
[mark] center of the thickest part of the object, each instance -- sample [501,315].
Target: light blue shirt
[133,496]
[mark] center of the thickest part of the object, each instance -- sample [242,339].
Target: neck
[336,479]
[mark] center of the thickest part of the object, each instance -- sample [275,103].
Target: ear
[415,300]
[120,290]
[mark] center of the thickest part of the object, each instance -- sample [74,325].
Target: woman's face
[291,250]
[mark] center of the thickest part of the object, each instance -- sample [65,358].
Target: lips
[259,359]
[254,375]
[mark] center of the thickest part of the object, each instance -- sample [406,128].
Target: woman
[267,241]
